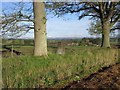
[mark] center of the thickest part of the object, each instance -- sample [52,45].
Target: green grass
[55,70]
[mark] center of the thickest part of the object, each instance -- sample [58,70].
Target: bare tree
[95,28]
[17,22]
[108,13]
[22,19]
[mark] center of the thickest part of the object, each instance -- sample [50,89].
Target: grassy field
[55,70]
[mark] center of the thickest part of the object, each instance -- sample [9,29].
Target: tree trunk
[105,35]
[40,40]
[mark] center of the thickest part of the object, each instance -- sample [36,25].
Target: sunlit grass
[55,70]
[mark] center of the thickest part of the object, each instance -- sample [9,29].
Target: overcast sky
[67,26]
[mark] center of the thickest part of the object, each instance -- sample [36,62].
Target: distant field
[27,71]
[28,50]
[26,46]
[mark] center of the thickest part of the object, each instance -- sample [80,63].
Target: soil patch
[107,78]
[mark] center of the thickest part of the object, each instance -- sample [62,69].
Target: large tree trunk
[105,35]
[40,40]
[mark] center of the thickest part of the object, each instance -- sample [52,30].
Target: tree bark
[105,35]
[40,39]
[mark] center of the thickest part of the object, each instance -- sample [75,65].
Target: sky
[67,26]
[62,27]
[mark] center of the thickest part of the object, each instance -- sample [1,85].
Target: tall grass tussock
[55,70]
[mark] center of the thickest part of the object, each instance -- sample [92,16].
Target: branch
[25,20]
[115,28]
[80,17]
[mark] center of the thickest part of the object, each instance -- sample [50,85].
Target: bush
[90,41]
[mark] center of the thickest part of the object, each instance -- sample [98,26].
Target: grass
[55,70]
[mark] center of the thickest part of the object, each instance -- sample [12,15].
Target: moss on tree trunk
[105,35]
